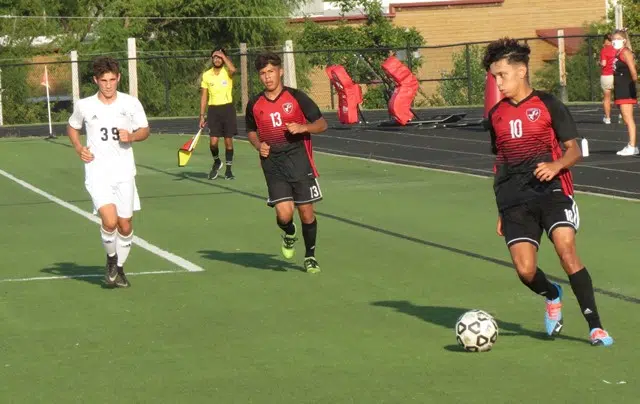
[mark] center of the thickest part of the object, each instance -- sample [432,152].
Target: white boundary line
[46,278]
[179,261]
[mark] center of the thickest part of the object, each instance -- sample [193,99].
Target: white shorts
[606,82]
[122,194]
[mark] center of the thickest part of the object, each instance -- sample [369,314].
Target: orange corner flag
[45,78]
[184,153]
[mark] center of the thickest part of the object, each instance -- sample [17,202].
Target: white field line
[179,261]
[50,278]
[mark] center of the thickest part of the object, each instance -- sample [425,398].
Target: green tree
[464,81]
[158,77]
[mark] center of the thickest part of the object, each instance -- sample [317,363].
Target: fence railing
[169,84]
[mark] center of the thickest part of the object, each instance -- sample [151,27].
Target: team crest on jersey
[533,114]
[288,107]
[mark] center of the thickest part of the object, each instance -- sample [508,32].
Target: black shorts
[526,222]
[290,176]
[221,120]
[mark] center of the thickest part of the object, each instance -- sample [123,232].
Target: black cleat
[228,175]
[111,270]
[121,280]
[213,174]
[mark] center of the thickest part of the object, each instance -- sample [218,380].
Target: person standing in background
[625,78]
[607,57]
[217,86]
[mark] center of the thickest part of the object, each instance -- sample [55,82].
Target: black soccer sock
[215,152]
[228,155]
[289,228]
[583,289]
[309,232]
[540,285]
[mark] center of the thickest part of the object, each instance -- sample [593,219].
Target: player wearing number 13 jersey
[113,121]
[533,184]
[280,121]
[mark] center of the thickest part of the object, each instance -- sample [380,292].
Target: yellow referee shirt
[219,86]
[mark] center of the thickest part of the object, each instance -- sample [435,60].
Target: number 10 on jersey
[516,128]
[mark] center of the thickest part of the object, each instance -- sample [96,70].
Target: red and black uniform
[523,135]
[624,88]
[289,169]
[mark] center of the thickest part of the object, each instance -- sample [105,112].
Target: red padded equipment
[349,94]
[406,88]
[492,94]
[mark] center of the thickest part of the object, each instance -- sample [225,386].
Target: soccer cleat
[606,120]
[600,337]
[111,270]
[213,174]
[311,265]
[228,175]
[121,280]
[287,245]
[553,313]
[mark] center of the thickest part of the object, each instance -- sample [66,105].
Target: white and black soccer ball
[476,331]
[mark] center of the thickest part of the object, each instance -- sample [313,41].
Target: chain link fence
[169,84]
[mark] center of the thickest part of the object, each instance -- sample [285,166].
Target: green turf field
[403,252]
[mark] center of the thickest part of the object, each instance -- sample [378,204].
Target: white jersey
[113,161]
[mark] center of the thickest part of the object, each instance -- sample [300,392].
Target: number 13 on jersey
[276,119]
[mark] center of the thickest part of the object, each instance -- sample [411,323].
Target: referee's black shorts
[221,120]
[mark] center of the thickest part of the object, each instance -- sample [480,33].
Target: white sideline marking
[179,261]
[46,278]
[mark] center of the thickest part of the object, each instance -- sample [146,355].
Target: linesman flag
[184,154]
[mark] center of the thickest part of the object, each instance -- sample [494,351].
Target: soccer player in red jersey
[280,121]
[533,185]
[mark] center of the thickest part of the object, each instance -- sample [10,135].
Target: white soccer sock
[108,241]
[123,247]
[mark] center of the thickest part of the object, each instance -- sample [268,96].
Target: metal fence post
[467,57]
[167,85]
[329,63]
[590,67]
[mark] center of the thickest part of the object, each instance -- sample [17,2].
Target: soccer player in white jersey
[113,121]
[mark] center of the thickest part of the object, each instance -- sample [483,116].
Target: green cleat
[287,245]
[311,265]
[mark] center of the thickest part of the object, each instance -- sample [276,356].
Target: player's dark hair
[221,49]
[506,48]
[264,59]
[607,37]
[105,64]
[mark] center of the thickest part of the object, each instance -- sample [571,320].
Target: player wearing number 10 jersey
[113,121]
[280,121]
[533,184]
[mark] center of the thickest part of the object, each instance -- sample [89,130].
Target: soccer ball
[476,331]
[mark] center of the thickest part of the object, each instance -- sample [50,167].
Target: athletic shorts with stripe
[290,177]
[526,222]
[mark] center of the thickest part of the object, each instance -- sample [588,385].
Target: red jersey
[269,118]
[523,135]
[607,55]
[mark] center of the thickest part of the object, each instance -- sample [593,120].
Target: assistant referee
[217,85]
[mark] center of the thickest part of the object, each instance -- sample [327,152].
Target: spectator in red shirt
[607,57]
